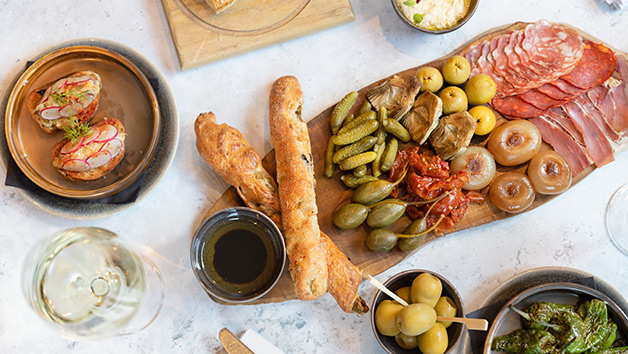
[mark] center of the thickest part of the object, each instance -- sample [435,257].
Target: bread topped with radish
[74,97]
[88,153]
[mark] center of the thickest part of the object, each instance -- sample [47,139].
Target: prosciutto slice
[597,145]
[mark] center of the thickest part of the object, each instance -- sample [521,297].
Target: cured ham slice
[553,134]
[515,107]
[597,145]
[540,100]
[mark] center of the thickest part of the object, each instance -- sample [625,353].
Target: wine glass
[617,218]
[90,285]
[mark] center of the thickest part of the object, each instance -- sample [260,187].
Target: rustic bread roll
[295,177]
[226,151]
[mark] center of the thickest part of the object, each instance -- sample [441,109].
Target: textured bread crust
[220,5]
[227,152]
[295,177]
[58,124]
[94,173]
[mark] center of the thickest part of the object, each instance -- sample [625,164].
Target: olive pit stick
[478,324]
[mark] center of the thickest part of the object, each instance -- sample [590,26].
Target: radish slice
[107,132]
[113,146]
[98,159]
[51,113]
[93,136]
[77,80]
[86,99]
[76,165]
[69,147]
[71,109]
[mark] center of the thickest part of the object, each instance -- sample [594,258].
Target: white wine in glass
[617,218]
[89,284]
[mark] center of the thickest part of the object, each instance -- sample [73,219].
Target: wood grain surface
[197,45]
[332,193]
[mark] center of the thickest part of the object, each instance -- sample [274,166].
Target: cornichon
[395,128]
[341,110]
[360,171]
[389,154]
[382,114]
[329,157]
[366,106]
[352,181]
[379,150]
[359,146]
[352,135]
[357,160]
[357,121]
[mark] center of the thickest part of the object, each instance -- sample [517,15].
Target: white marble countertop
[569,231]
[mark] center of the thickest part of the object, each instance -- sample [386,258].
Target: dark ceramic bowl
[405,278]
[563,293]
[238,255]
[473,5]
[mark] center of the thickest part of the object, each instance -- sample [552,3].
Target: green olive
[350,216]
[385,214]
[445,307]
[404,294]
[426,289]
[386,317]
[406,342]
[381,240]
[373,192]
[416,319]
[434,341]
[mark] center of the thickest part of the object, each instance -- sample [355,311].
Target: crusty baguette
[94,173]
[220,5]
[226,151]
[295,177]
[50,126]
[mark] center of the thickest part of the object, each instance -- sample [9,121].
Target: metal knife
[232,344]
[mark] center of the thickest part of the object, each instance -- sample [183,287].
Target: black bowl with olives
[411,329]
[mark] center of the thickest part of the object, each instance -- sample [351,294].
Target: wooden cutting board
[332,193]
[197,45]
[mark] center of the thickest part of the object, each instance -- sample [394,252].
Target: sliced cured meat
[597,145]
[567,87]
[520,58]
[473,54]
[559,116]
[515,107]
[554,92]
[615,115]
[553,134]
[540,100]
[592,112]
[500,56]
[552,46]
[596,66]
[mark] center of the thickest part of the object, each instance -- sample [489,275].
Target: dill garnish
[76,130]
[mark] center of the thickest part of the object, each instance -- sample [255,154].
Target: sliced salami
[554,47]
[596,66]
[540,100]
[515,107]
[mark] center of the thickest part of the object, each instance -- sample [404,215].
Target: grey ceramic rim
[544,275]
[460,332]
[168,137]
[196,252]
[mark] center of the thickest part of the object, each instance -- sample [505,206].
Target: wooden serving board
[332,193]
[197,45]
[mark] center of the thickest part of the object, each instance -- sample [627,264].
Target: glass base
[617,218]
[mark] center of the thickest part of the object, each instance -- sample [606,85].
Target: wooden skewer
[479,324]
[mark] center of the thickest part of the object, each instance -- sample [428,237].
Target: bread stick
[295,177]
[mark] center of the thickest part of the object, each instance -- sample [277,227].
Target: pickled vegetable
[358,147]
[389,154]
[350,216]
[352,181]
[479,165]
[549,173]
[456,70]
[512,192]
[359,171]
[395,128]
[375,191]
[406,342]
[385,214]
[514,142]
[357,160]
[329,154]
[445,307]
[341,110]
[354,134]
[404,294]
[434,341]
[480,89]
[386,317]
[426,289]
[416,319]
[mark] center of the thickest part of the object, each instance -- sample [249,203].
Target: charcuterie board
[332,193]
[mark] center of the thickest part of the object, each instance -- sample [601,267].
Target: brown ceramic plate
[126,95]
[243,17]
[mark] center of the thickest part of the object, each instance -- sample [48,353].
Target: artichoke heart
[396,95]
[423,117]
[453,135]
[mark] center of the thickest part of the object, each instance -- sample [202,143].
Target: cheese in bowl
[434,15]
